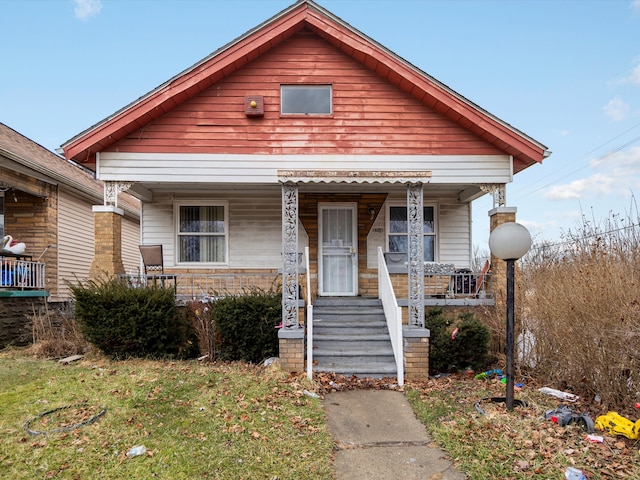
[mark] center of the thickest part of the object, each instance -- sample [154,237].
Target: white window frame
[434,234]
[178,234]
[307,85]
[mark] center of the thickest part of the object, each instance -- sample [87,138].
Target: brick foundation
[291,350]
[416,353]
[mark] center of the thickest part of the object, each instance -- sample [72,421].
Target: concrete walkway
[379,437]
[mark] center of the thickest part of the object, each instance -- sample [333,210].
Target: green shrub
[130,322]
[439,340]
[245,325]
[468,348]
[471,345]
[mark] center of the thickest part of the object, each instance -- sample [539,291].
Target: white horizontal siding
[263,169]
[255,227]
[255,231]
[75,240]
[157,227]
[454,234]
[130,242]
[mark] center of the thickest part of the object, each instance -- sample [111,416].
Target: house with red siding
[305,151]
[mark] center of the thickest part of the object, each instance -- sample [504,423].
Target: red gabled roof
[305,14]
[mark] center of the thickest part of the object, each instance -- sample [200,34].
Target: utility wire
[595,234]
[522,192]
[608,154]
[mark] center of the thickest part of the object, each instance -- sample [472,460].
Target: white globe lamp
[510,241]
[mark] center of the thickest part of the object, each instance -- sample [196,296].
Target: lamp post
[509,242]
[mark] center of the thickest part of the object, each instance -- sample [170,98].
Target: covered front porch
[335,238]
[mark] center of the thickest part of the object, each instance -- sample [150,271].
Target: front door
[338,249]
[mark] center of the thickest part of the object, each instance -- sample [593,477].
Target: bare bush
[199,316]
[582,308]
[56,334]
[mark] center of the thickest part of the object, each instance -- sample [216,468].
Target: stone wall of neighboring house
[15,314]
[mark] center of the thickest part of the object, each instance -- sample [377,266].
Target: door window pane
[337,227]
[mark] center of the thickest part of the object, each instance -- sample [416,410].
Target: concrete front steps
[350,337]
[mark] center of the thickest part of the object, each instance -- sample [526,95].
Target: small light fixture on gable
[254,106]
[372,212]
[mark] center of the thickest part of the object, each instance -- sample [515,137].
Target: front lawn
[196,420]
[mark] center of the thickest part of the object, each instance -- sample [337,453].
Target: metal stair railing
[392,313]
[309,319]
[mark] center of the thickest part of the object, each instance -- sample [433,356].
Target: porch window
[305,99]
[399,227]
[202,233]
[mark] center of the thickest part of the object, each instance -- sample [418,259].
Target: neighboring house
[301,133]
[46,203]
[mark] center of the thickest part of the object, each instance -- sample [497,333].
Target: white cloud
[633,78]
[622,173]
[595,185]
[635,4]
[620,164]
[563,133]
[85,9]
[534,226]
[616,109]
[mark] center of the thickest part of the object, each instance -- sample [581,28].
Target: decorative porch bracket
[111,191]
[415,215]
[497,190]
[290,256]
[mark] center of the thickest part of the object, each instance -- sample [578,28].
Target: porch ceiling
[431,190]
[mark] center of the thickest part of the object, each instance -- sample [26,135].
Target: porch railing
[445,285]
[21,274]
[393,314]
[195,286]
[460,284]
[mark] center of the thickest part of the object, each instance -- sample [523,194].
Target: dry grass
[581,303]
[56,334]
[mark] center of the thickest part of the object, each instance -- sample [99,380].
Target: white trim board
[263,169]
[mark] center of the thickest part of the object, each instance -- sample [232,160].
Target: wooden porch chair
[153,262]
[481,278]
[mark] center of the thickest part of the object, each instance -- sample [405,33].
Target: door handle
[352,250]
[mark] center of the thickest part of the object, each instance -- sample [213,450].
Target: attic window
[305,99]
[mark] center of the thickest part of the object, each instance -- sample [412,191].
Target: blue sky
[566,72]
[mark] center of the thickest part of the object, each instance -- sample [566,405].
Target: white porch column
[289,256]
[416,255]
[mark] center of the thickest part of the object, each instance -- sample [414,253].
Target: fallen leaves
[522,438]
